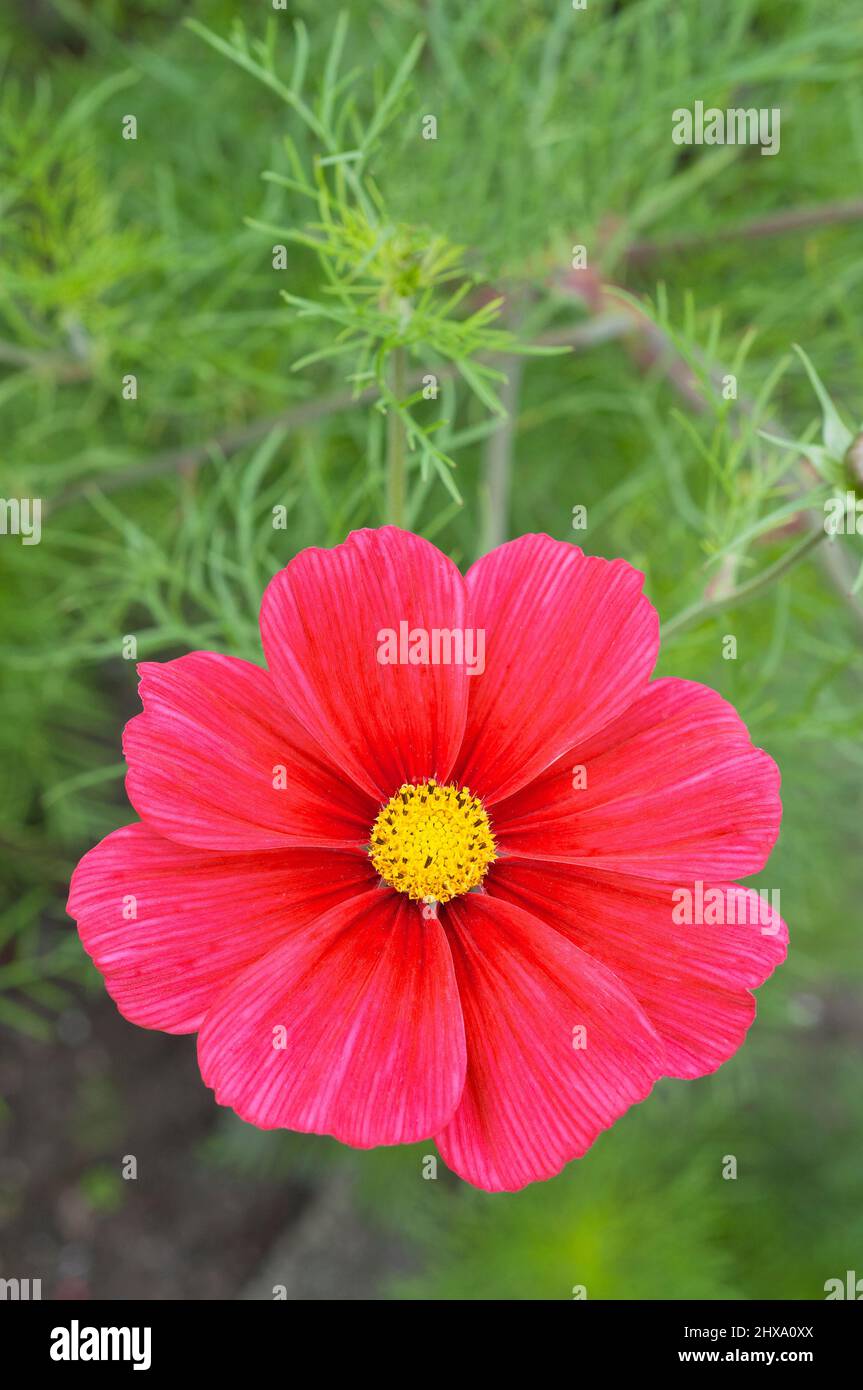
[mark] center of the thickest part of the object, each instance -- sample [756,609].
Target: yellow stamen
[432,842]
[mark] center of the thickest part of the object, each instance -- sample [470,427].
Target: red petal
[692,981]
[570,641]
[372,1042]
[532,1100]
[321,621]
[675,791]
[200,918]
[205,756]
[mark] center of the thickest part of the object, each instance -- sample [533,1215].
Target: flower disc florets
[432,842]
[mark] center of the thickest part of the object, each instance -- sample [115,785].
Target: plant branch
[584,336]
[498,460]
[396,441]
[775,224]
[750,589]
[651,347]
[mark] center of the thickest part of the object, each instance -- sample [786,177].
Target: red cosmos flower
[403,901]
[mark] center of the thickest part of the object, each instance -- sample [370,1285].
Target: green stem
[396,441]
[498,463]
[748,590]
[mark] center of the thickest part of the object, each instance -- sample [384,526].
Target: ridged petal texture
[570,642]
[217,761]
[692,980]
[321,625]
[351,1027]
[538,1089]
[167,925]
[673,788]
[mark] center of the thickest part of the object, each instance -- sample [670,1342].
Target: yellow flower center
[432,842]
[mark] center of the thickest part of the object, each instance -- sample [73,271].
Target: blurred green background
[154,257]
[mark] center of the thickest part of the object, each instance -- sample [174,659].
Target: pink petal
[371,1047]
[207,755]
[321,621]
[692,981]
[532,1100]
[570,642]
[675,791]
[169,926]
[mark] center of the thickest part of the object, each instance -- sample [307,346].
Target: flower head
[403,894]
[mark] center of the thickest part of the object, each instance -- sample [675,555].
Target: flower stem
[748,590]
[396,441]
